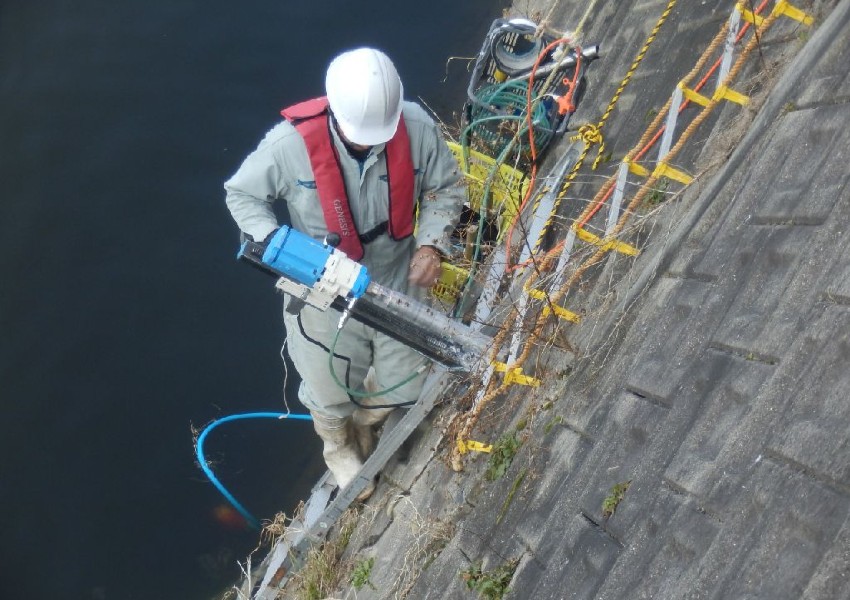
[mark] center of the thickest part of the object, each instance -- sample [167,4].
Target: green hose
[502,102]
[509,96]
[363,393]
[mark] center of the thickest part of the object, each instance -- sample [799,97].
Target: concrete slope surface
[691,438]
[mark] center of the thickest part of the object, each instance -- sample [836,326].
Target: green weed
[510,497]
[556,420]
[491,585]
[612,501]
[658,193]
[502,455]
[361,574]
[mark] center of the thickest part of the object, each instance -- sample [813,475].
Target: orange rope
[533,176]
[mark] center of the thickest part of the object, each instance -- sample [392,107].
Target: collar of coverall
[357,151]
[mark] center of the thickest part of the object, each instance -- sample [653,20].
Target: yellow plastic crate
[506,190]
[450,284]
[506,193]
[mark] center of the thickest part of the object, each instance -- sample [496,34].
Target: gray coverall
[280,169]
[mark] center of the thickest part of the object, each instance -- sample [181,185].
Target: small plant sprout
[490,585]
[502,455]
[616,495]
[361,574]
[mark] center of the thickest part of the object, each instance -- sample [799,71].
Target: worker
[361,163]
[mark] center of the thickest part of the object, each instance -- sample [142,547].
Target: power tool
[317,273]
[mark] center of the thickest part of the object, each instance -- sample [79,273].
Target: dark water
[124,318]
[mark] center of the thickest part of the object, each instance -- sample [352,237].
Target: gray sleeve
[253,189]
[442,193]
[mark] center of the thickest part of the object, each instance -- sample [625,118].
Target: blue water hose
[199,451]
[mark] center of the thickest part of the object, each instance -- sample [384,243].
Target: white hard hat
[365,95]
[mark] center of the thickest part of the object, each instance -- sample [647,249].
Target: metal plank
[286,555]
[617,199]
[491,287]
[544,209]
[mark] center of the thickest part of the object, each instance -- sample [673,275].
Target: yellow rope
[598,138]
[591,133]
[635,64]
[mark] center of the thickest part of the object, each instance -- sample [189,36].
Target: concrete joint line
[744,354]
[807,471]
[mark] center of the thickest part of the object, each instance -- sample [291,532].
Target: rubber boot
[341,454]
[365,431]
[367,420]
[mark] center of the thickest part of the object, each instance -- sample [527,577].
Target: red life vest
[310,119]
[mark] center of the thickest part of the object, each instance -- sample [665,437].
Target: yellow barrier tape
[723,92]
[638,170]
[472,446]
[665,170]
[662,170]
[516,375]
[749,15]
[694,96]
[621,247]
[792,12]
[562,313]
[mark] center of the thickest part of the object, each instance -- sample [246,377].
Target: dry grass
[324,570]
[428,538]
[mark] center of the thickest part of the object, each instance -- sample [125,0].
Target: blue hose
[199,451]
